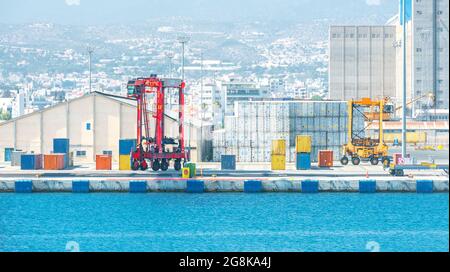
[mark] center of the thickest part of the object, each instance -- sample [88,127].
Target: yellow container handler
[365,148]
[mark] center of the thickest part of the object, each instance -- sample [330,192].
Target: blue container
[8,152]
[253,186]
[424,186]
[195,186]
[303,161]
[31,161]
[23,186]
[228,162]
[61,145]
[80,186]
[126,146]
[367,186]
[138,187]
[310,186]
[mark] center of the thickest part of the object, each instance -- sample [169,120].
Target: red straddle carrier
[156,149]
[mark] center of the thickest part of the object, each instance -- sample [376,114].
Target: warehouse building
[362,62]
[94,123]
[427,56]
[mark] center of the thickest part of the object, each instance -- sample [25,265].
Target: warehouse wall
[54,126]
[28,133]
[81,138]
[112,121]
[6,137]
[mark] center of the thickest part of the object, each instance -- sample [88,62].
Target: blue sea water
[224,222]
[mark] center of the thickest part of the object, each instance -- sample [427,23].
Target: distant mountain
[137,11]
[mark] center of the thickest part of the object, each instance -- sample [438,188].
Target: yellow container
[279,147]
[303,144]
[124,162]
[278,162]
[411,137]
[185,172]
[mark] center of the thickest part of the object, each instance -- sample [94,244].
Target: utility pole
[404,83]
[201,102]
[183,40]
[90,50]
[170,56]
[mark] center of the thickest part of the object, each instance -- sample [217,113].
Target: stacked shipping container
[303,152]
[278,155]
[249,133]
[126,146]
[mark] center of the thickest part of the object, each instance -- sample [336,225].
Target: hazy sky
[135,11]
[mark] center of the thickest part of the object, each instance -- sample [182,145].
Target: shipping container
[31,162]
[279,147]
[228,162]
[124,162]
[325,158]
[70,163]
[126,146]
[303,161]
[303,144]
[55,161]
[16,156]
[278,162]
[249,135]
[103,162]
[411,137]
[61,145]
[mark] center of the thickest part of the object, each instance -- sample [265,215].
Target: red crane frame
[154,149]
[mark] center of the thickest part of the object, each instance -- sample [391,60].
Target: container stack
[326,158]
[126,146]
[103,162]
[278,155]
[31,162]
[62,146]
[249,133]
[303,145]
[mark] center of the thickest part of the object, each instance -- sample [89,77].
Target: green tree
[316,98]
[5,115]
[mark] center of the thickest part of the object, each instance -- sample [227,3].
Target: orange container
[325,158]
[103,162]
[53,161]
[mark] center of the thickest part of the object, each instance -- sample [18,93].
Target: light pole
[90,50]
[183,40]
[404,83]
[201,102]
[170,56]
